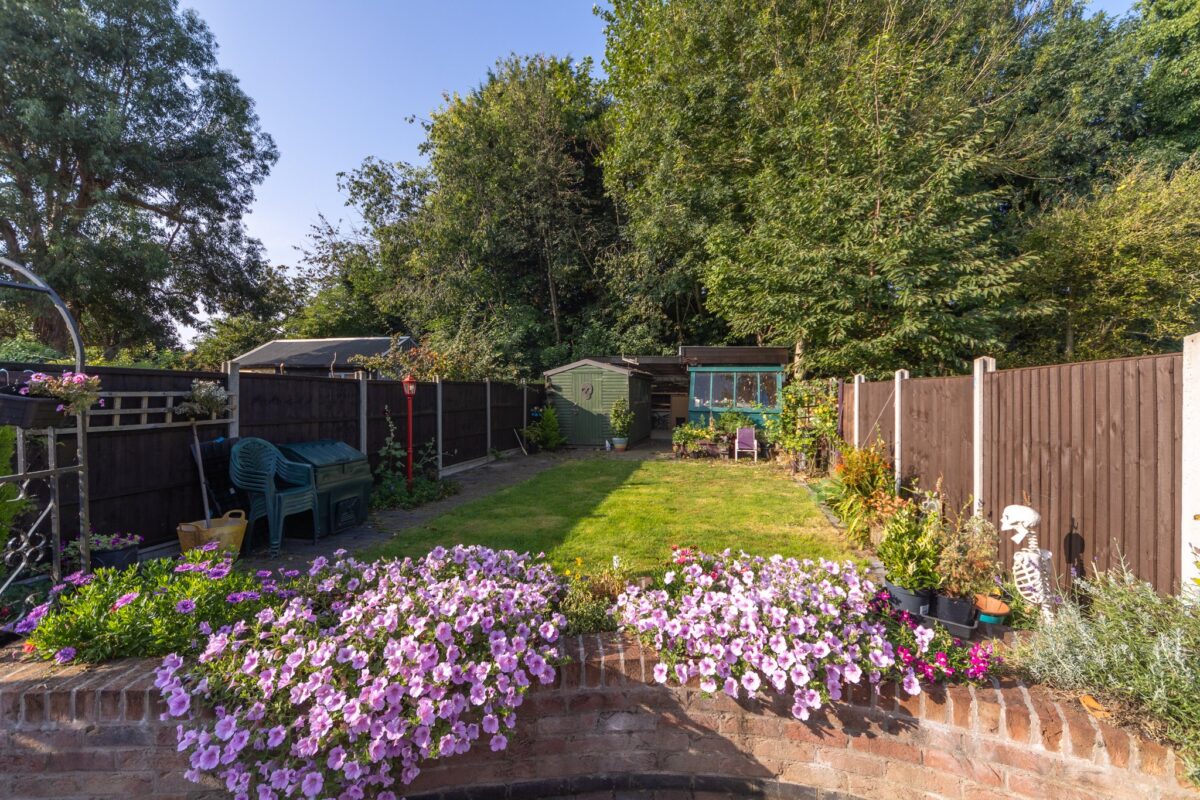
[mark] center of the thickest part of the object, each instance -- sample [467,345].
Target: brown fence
[1095,447]
[144,480]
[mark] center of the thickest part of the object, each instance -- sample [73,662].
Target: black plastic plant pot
[958,610]
[903,599]
[116,559]
[30,412]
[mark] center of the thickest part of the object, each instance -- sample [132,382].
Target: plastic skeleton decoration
[1031,564]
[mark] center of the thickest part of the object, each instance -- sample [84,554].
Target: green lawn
[594,508]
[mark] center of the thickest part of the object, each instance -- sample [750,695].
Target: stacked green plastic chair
[277,488]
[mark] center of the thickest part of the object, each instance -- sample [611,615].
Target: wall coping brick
[605,729]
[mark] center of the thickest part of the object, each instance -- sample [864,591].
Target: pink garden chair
[746,442]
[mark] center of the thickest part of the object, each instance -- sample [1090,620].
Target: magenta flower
[124,600]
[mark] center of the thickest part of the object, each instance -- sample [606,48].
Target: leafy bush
[727,424]
[801,629]
[620,418]
[544,433]
[912,547]
[383,667]
[393,489]
[1123,642]
[591,598]
[862,491]
[968,561]
[689,436]
[162,607]
[806,427]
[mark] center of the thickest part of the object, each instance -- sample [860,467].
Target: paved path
[473,484]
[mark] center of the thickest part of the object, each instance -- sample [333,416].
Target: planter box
[912,602]
[116,559]
[960,611]
[31,412]
[963,632]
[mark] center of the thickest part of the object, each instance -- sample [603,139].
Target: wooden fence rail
[1095,447]
[143,480]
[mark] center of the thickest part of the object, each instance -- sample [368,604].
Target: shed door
[589,407]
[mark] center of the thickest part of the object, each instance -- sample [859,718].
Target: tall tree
[127,159]
[822,166]
[1122,266]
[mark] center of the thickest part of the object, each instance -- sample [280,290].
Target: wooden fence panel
[386,398]
[294,408]
[1095,448]
[464,422]
[937,436]
[508,414]
[878,414]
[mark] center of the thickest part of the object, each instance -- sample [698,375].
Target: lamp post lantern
[410,390]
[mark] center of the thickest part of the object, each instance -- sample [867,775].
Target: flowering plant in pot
[620,418]
[967,566]
[910,550]
[43,399]
[116,550]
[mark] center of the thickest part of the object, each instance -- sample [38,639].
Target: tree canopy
[127,159]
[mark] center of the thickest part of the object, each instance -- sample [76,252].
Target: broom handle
[203,477]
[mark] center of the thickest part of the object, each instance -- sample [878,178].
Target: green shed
[582,394]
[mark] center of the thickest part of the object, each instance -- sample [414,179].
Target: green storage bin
[343,479]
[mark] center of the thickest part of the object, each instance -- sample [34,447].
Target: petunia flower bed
[347,688]
[807,630]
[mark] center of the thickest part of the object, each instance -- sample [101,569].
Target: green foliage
[592,596]
[544,433]
[911,548]
[27,351]
[861,491]
[393,489]
[90,619]
[688,436]
[125,170]
[620,418]
[11,508]
[1118,267]
[1122,641]
[726,424]
[468,356]
[806,427]
[968,563]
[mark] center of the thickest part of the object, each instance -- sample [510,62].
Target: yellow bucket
[228,531]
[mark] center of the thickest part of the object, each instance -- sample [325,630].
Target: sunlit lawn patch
[595,508]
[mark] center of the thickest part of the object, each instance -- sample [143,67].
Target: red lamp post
[410,391]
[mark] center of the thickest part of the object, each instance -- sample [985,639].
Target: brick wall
[605,730]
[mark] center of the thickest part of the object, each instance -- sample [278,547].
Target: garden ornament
[1031,564]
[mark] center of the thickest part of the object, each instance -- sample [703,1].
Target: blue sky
[334,81]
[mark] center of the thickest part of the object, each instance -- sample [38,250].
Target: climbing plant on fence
[806,428]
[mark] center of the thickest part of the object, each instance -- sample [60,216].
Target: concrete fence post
[982,366]
[897,434]
[859,380]
[233,385]
[362,411]
[439,424]
[487,384]
[524,404]
[1189,474]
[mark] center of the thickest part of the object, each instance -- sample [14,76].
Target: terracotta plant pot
[991,609]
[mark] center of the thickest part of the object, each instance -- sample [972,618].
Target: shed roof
[318,353]
[597,363]
[735,355]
